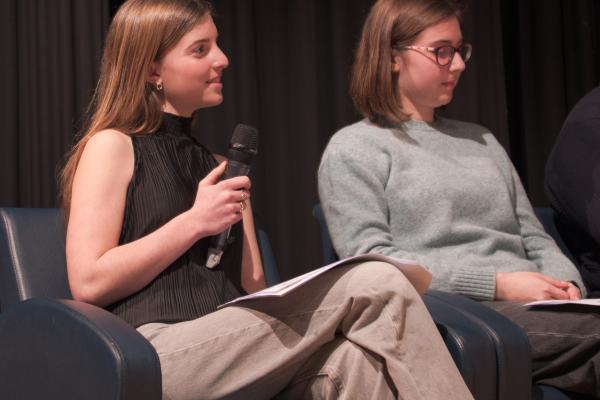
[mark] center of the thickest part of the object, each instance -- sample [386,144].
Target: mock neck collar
[175,125]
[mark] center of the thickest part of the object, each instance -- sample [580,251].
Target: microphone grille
[245,136]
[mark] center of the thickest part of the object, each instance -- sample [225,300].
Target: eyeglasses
[443,54]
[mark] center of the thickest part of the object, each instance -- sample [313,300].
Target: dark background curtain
[50,57]
[288,76]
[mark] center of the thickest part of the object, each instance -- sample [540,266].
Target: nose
[220,59]
[457,64]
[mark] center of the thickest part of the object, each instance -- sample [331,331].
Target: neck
[417,113]
[169,108]
[428,116]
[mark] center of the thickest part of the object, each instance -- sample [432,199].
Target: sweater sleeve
[539,246]
[352,196]
[353,181]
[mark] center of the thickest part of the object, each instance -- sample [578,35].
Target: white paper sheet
[586,302]
[416,274]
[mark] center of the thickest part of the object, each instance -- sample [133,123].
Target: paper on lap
[415,273]
[585,302]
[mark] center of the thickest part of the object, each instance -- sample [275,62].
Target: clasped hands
[533,286]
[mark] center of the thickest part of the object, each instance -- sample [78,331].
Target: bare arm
[253,278]
[102,272]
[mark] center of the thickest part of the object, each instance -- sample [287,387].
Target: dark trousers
[565,344]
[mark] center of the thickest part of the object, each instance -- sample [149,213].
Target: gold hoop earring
[159,86]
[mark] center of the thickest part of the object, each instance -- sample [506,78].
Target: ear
[395,66]
[154,75]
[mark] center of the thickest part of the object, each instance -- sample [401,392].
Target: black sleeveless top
[169,164]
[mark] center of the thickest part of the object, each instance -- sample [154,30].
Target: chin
[444,100]
[211,102]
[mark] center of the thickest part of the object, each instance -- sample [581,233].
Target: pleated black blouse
[169,164]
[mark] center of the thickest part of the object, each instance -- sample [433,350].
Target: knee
[382,276]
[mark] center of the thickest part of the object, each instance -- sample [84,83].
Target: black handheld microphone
[242,147]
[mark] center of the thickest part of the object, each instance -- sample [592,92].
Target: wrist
[500,279]
[189,223]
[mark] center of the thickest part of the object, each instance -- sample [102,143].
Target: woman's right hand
[218,202]
[530,286]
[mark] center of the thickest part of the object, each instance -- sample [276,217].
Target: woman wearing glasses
[408,183]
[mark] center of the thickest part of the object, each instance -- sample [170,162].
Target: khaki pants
[356,332]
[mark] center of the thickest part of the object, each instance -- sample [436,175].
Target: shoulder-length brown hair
[141,32]
[390,23]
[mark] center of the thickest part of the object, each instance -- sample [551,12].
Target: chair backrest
[268,259]
[547,217]
[329,255]
[32,255]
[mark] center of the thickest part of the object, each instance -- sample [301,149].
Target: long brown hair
[390,22]
[141,32]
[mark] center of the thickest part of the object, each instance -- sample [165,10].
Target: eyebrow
[444,42]
[201,41]
[197,42]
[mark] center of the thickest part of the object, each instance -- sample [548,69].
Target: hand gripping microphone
[242,147]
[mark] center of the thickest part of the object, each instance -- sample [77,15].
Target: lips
[214,80]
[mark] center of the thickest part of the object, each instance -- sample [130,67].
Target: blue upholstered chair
[52,347]
[491,352]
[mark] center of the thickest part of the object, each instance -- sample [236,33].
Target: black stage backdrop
[288,75]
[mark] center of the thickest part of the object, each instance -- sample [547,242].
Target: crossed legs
[357,325]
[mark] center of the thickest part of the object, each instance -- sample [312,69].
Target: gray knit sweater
[444,194]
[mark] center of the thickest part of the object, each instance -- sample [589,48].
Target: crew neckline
[414,124]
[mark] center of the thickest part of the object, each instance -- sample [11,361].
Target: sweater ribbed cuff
[477,283]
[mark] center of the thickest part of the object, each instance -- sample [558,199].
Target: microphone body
[242,148]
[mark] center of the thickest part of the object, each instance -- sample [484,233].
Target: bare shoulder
[109,154]
[108,147]
[109,140]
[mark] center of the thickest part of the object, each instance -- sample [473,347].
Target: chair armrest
[513,353]
[472,350]
[64,349]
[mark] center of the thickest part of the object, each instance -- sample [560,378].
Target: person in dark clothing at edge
[572,184]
